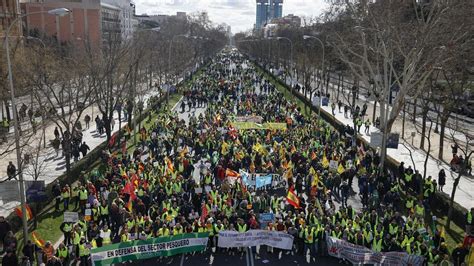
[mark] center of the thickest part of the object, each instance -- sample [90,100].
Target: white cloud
[239,14]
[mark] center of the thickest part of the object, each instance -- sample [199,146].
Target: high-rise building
[268,10]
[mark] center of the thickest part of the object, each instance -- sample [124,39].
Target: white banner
[362,255]
[233,239]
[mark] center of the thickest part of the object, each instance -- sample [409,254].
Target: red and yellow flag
[37,239]
[169,164]
[129,205]
[29,213]
[292,198]
[231,173]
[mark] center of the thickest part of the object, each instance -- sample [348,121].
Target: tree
[395,45]
[462,136]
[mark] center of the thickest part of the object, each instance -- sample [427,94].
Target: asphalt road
[237,260]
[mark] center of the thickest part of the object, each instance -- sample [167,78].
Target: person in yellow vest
[308,237]
[377,244]
[470,222]
[218,226]
[124,236]
[63,254]
[83,195]
[84,252]
[178,229]
[104,213]
[105,234]
[420,210]
[66,194]
[410,202]
[241,226]
[163,231]
[66,228]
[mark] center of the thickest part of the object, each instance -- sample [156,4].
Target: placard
[71,217]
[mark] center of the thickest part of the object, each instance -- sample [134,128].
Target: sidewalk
[464,194]
[53,166]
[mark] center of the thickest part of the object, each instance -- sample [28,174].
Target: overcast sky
[239,14]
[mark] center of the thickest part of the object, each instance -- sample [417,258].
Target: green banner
[150,248]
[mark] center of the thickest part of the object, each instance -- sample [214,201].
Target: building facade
[268,10]
[91,22]
[9,11]
[128,22]
[111,23]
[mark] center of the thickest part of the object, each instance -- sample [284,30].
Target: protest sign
[145,249]
[233,239]
[333,165]
[263,180]
[361,255]
[265,218]
[71,217]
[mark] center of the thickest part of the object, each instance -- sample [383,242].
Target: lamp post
[291,57]
[306,37]
[57,12]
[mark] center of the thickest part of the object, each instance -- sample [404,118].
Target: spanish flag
[292,198]
[29,213]
[231,173]
[169,164]
[37,239]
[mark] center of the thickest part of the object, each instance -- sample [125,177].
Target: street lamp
[291,57]
[306,37]
[57,12]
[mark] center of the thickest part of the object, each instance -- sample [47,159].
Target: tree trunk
[7,110]
[423,128]
[429,149]
[451,200]
[414,111]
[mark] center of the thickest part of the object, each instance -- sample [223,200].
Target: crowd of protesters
[177,181]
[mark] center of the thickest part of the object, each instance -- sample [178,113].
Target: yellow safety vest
[83,194]
[377,245]
[65,195]
[420,210]
[104,210]
[242,228]
[67,228]
[107,240]
[83,250]
[62,252]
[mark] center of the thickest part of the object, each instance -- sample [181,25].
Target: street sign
[393,139]
[9,191]
[376,139]
[71,217]
[35,191]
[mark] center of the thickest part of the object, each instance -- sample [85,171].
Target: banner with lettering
[150,248]
[361,255]
[233,239]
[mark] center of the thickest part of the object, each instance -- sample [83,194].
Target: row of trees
[64,81]
[420,49]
